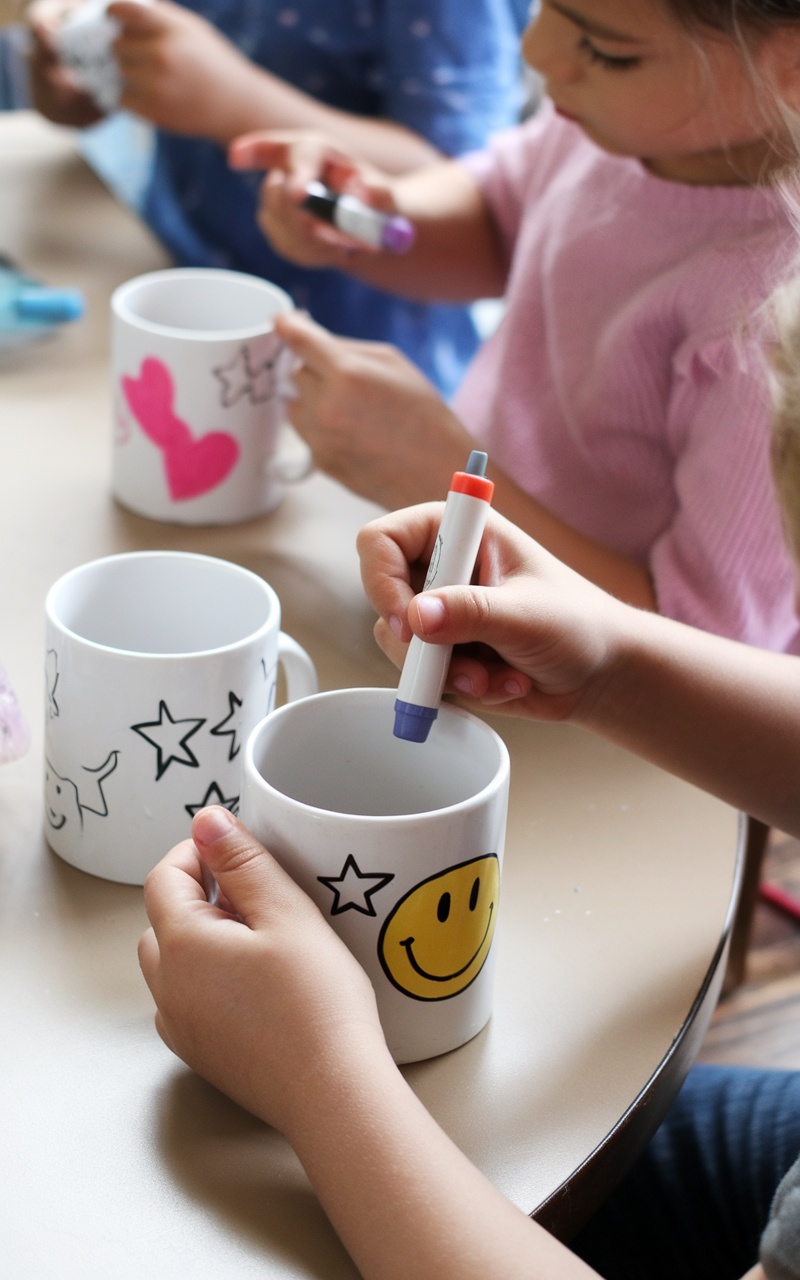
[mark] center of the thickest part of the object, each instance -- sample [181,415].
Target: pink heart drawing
[192,466]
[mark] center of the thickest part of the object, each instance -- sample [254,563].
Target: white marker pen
[381,230]
[425,668]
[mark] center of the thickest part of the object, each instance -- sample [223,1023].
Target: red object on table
[779,897]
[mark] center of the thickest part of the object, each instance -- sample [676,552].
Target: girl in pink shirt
[635,229]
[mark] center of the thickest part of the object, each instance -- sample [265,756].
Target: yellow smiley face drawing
[435,941]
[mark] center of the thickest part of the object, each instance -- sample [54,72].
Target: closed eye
[606,59]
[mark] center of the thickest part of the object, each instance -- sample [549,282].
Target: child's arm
[456,255]
[263,1000]
[373,422]
[720,714]
[184,75]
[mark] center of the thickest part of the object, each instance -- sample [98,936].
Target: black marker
[380,230]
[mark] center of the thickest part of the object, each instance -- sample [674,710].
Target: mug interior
[337,752]
[201,301]
[162,603]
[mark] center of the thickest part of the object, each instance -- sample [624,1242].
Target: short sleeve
[452,72]
[14,87]
[722,563]
[780,1243]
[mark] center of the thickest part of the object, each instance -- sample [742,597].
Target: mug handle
[299,670]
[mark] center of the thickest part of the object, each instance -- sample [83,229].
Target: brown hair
[735,16]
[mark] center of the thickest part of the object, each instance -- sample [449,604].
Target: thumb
[257,151]
[318,349]
[500,617]
[136,16]
[250,880]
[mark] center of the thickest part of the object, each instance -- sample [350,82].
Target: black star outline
[351,868]
[219,732]
[213,796]
[241,377]
[161,764]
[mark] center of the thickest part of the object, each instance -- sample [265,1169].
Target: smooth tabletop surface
[617,886]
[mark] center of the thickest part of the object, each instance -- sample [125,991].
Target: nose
[550,46]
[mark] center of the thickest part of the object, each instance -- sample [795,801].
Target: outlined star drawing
[219,731]
[169,738]
[353,889]
[213,796]
[242,377]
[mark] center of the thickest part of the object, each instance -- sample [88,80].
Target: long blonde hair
[786,417]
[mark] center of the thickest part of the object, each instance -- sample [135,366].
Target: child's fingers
[390,549]
[254,886]
[318,349]
[137,19]
[392,636]
[261,150]
[175,885]
[149,956]
[473,615]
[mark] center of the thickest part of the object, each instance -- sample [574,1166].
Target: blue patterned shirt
[448,69]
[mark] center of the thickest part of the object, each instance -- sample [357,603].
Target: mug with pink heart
[200,384]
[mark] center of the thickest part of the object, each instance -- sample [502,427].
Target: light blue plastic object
[30,310]
[55,306]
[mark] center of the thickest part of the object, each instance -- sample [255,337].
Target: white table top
[617,884]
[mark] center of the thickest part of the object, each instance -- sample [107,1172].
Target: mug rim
[499,778]
[272,621]
[121,310]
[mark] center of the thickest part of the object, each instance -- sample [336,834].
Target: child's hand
[294,158]
[177,70]
[540,636]
[370,418]
[257,993]
[54,91]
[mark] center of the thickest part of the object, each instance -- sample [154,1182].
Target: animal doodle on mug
[51,678]
[170,739]
[192,465]
[213,796]
[435,941]
[65,799]
[219,730]
[241,377]
[353,889]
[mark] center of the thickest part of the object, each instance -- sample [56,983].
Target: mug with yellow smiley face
[399,843]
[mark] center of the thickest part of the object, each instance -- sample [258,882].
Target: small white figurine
[14,738]
[84,42]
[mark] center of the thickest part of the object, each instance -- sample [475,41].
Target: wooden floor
[758,1024]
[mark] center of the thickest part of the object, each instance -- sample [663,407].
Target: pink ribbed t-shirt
[626,385]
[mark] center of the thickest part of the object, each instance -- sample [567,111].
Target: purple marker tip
[397,234]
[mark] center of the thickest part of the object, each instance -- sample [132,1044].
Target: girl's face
[639,85]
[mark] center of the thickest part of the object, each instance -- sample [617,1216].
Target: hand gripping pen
[380,230]
[425,668]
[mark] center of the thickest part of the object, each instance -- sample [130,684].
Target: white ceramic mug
[200,384]
[400,844]
[158,666]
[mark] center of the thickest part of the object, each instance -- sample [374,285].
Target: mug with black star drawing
[400,844]
[158,666]
[200,388]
